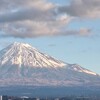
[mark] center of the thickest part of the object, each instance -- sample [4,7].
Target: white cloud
[82,8]
[34,18]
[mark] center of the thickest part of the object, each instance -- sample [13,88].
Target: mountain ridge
[21,51]
[22,64]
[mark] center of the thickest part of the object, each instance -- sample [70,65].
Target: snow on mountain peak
[25,55]
[21,63]
[19,44]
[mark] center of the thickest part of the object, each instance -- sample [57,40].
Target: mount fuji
[24,65]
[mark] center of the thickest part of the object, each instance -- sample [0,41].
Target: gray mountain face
[22,64]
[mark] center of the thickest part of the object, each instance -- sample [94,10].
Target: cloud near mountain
[35,18]
[82,8]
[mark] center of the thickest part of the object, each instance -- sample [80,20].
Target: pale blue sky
[78,40]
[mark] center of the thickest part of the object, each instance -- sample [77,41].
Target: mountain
[22,64]
[21,54]
[24,70]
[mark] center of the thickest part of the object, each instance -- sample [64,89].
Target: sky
[65,29]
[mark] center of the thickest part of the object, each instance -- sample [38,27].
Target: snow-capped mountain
[25,55]
[22,64]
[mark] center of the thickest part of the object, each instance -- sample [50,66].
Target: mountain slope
[23,54]
[22,64]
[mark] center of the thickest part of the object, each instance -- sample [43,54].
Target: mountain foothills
[23,65]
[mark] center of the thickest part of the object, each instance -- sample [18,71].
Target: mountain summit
[22,64]
[22,54]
